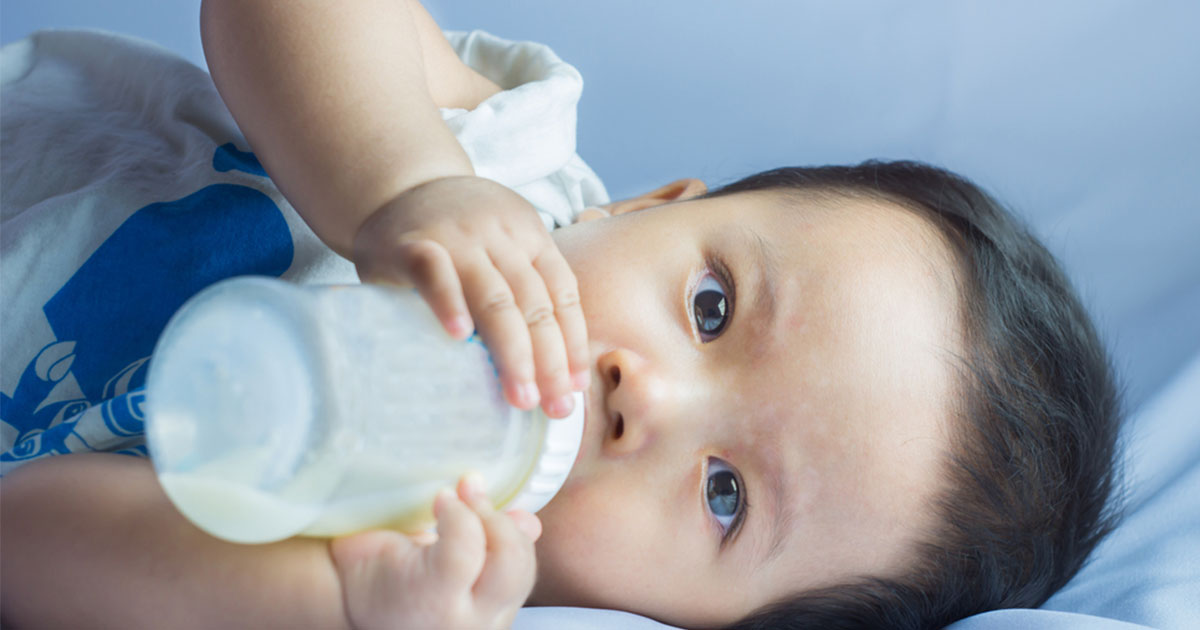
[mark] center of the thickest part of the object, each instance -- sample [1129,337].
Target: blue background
[1081,115]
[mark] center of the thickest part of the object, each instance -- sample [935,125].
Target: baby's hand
[481,257]
[476,573]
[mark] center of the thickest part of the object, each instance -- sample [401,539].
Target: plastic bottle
[275,410]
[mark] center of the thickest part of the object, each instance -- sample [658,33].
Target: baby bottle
[275,410]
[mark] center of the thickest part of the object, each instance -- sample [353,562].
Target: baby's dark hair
[1030,470]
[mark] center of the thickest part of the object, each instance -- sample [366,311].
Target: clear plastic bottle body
[276,410]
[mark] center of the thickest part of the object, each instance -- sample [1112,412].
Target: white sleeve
[524,136]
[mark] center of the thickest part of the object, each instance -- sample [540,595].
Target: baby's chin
[554,585]
[569,562]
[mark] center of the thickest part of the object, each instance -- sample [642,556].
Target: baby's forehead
[874,223]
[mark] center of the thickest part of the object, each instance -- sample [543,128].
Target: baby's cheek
[573,526]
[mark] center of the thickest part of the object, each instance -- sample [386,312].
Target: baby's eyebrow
[774,522]
[766,269]
[780,510]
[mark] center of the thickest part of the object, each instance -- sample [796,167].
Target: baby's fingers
[460,551]
[431,269]
[510,568]
[538,313]
[564,294]
[502,326]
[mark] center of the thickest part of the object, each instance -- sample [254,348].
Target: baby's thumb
[591,213]
[529,524]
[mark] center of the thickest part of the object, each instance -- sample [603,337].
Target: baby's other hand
[476,572]
[480,256]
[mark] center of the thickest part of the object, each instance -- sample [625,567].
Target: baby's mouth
[593,434]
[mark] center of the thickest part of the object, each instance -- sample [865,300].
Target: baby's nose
[637,401]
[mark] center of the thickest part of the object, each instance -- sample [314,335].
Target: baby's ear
[677,190]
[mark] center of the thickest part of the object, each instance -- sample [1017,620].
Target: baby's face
[768,406]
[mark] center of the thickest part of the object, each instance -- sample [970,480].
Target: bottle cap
[563,438]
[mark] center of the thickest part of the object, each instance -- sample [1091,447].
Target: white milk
[233,511]
[373,492]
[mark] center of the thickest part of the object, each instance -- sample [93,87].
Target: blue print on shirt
[228,158]
[108,316]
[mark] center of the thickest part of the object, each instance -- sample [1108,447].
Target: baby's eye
[723,493]
[710,307]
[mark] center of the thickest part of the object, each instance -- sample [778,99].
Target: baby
[818,397]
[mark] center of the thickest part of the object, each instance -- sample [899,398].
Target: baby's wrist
[392,217]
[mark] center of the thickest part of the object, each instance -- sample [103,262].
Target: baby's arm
[340,100]
[91,541]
